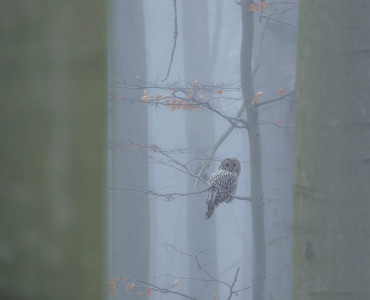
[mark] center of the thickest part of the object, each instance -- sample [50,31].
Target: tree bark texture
[331,241]
[52,127]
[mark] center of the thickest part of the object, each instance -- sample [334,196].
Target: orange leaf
[154,148]
[201,96]
[112,280]
[256,99]
[148,292]
[259,95]
[264,5]
[159,96]
[131,286]
[145,93]
[281,92]
[137,145]
[125,278]
[112,286]
[253,7]
[214,296]
[220,92]
[175,283]
[196,82]
[145,98]
[278,121]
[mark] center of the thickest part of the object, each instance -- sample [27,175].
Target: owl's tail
[211,208]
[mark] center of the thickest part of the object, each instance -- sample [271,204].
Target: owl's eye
[227,165]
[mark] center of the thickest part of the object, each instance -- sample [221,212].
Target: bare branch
[175,33]
[171,162]
[142,286]
[156,288]
[268,17]
[233,284]
[168,196]
[204,166]
[200,267]
[283,97]
[274,124]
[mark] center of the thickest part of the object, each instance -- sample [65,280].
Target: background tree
[331,191]
[199,131]
[254,137]
[129,233]
[275,55]
[52,124]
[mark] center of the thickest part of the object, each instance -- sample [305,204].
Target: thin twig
[168,196]
[162,290]
[283,97]
[233,284]
[175,33]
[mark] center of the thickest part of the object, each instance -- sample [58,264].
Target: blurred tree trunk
[129,210]
[254,136]
[331,233]
[199,130]
[52,123]
[277,70]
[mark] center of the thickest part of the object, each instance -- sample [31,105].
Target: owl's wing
[212,202]
[234,185]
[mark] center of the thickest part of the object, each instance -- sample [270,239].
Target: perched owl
[222,184]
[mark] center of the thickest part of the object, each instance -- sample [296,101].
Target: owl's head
[231,165]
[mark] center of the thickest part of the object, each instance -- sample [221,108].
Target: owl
[222,184]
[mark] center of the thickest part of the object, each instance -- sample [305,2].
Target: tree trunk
[331,241]
[277,70]
[52,123]
[259,245]
[130,230]
[199,132]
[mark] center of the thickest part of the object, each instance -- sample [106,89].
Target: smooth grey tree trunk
[52,127]
[257,199]
[277,70]
[130,231]
[331,233]
[199,133]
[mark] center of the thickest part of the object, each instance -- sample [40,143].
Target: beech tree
[331,191]
[52,127]
[128,216]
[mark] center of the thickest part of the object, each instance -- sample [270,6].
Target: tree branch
[283,97]
[175,33]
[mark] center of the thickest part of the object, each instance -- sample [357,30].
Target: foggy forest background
[114,114]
